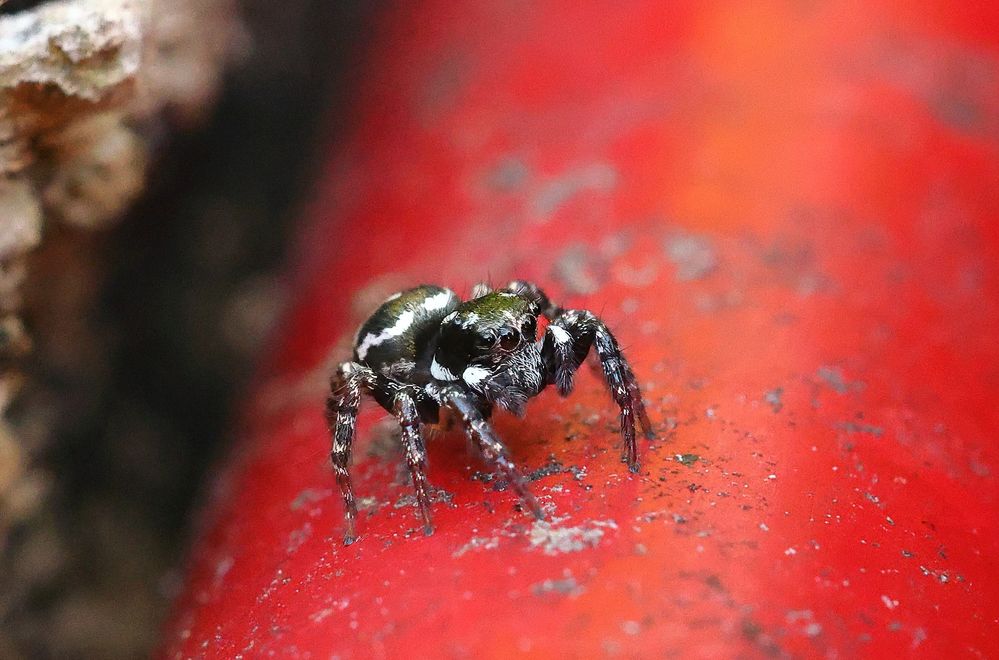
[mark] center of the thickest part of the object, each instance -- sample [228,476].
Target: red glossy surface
[787,212]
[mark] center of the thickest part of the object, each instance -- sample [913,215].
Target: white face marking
[474,375]
[441,373]
[438,301]
[401,325]
[561,336]
[393,297]
[449,317]
[433,391]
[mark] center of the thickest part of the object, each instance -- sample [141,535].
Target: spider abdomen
[400,331]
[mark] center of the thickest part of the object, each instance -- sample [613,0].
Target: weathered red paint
[786,210]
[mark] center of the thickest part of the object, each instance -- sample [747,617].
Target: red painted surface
[787,211]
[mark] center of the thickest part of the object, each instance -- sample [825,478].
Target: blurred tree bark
[88,89]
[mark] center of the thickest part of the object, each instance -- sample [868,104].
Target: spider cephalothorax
[489,344]
[424,349]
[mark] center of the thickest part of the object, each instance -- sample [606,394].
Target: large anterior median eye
[508,339]
[484,341]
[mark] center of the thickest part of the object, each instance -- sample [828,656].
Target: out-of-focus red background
[787,213]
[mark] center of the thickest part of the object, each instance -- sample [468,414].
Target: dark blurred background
[151,329]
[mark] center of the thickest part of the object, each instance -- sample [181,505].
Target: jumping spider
[424,350]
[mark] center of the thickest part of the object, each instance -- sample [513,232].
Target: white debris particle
[298,537]
[790,552]
[693,255]
[567,586]
[309,496]
[554,540]
[890,603]
[477,543]
[771,476]
[338,606]
[631,627]
[222,568]
[764,527]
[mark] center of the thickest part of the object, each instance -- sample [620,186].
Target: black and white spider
[424,350]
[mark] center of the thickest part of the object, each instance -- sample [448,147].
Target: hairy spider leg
[406,412]
[350,381]
[342,406]
[531,290]
[568,339]
[636,400]
[491,447]
[566,343]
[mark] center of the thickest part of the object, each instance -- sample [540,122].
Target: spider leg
[568,339]
[406,412]
[341,416]
[636,400]
[346,386]
[531,290]
[492,448]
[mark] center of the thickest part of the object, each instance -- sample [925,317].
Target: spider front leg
[567,341]
[342,405]
[492,448]
[532,291]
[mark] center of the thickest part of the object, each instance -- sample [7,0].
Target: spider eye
[508,339]
[484,341]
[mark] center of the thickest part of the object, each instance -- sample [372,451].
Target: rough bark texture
[87,89]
